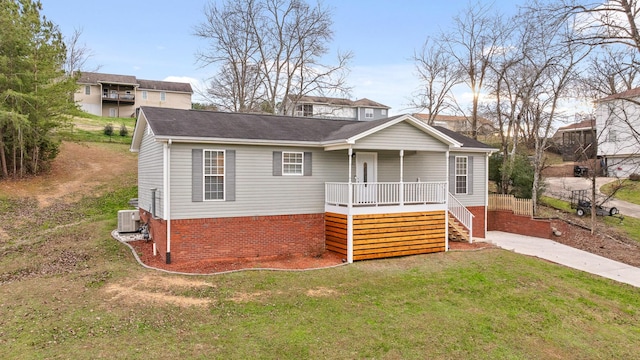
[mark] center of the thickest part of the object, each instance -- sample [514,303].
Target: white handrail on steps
[462,214]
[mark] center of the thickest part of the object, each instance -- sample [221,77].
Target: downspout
[349,214]
[446,213]
[486,200]
[167,196]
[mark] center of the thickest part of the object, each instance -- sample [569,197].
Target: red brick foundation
[240,237]
[478,221]
[507,221]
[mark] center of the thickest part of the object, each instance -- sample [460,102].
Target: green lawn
[91,128]
[68,290]
[628,190]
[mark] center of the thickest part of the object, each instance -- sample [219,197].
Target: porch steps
[457,232]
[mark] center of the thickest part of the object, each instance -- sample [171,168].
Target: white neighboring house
[335,108]
[618,123]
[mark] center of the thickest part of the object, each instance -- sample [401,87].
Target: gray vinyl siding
[479,183]
[377,114]
[150,165]
[401,136]
[258,191]
[428,166]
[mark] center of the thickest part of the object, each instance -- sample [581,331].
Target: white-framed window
[462,172]
[613,137]
[292,163]
[383,112]
[163,96]
[368,113]
[214,175]
[144,94]
[87,89]
[304,110]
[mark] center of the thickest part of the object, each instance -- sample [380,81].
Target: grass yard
[628,191]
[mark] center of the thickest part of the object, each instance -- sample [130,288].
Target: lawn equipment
[582,205]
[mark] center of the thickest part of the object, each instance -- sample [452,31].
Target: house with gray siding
[215,185]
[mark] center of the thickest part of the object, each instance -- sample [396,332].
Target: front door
[366,176]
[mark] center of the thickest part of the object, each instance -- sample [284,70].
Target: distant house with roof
[335,108]
[461,124]
[577,142]
[112,95]
[617,123]
[215,185]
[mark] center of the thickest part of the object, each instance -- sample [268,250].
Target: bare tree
[553,62]
[270,50]
[234,46]
[477,36]
[438,74]
[78,53]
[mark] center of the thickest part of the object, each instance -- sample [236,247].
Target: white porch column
[446,213]
[401,177]
[349,214]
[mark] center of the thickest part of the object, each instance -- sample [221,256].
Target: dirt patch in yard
[78,170]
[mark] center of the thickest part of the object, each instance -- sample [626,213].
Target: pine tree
[33,88]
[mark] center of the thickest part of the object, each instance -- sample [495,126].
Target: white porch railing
[386,193]
[462,214]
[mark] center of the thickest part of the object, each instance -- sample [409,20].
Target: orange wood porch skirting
[378,236]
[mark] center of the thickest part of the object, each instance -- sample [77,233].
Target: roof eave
[235,141]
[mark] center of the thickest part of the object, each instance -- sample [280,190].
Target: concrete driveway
[560,188]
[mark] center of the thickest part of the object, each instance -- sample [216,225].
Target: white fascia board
[138,132]
[208,140]
[479,150]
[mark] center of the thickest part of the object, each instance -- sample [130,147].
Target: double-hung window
[87,89]
[292,163]
[462,173]
[213,174]
[163,96]
[368,113]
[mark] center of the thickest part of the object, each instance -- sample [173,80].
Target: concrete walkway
[566,255]
[560,188]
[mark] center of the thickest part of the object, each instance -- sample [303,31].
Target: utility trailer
[580,202]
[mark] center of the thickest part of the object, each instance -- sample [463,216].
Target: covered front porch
[367,219]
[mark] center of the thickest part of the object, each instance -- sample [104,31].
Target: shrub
[634,177]
[108,129]
[123,130]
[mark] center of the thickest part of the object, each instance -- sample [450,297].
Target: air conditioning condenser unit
[128,221]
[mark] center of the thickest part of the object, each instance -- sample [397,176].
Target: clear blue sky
[152,39]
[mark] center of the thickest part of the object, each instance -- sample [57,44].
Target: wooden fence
[509,202]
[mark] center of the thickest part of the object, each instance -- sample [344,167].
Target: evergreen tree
[34,90]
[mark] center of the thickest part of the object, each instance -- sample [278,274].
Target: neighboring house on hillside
[460,124]
[120,95]
[577,142]
[215,185]
[618,121]
[335,108]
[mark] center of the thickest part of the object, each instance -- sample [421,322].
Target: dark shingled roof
[96,78]
[210,124]
[165,85]
[167,122]
[464,140]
